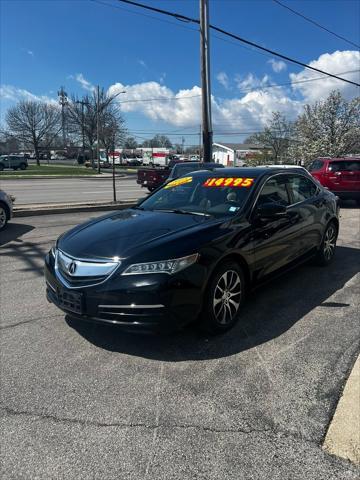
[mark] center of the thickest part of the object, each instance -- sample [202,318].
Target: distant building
[235,154]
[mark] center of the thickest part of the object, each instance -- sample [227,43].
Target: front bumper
[156,302]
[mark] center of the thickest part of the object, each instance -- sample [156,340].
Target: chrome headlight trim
[163,266]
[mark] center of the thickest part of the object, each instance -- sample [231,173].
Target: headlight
[164,266]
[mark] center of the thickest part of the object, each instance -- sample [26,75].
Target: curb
[33,210]
[343,436]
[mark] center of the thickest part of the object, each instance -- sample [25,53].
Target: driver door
[273,238]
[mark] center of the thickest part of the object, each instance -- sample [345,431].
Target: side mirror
[271,210]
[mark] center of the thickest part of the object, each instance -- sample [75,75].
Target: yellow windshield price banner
[229,182]
[179,181]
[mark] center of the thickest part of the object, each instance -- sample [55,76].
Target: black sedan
[192,250]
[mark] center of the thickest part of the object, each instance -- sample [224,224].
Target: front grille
[76,273]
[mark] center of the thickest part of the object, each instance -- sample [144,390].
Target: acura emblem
[72,268]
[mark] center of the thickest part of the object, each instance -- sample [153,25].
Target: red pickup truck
[153,178]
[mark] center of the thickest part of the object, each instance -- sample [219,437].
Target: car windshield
[204,194]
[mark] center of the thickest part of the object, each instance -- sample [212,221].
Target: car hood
[121,233]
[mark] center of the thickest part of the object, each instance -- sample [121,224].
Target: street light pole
[207,133]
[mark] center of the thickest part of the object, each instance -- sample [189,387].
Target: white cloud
[11,93]
[277,65]
[336,63]
[86,85]
[183,108]
[142,63]
[30,52]
[251,81]
[223,79]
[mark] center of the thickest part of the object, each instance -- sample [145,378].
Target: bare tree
[82,120]
[328,128]
[130,143]
[158,141]
[276,135]
[112,129]
[35,123]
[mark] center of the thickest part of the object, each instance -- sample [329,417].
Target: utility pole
[82,103]
[182,145]
[207,133]
[63,100]
[97,127]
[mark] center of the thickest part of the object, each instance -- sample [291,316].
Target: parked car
[181,169]
[13,161]
[340,175]
[192,249]
[6,208]
[153,178]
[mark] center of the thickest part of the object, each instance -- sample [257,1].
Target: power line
[316,23]
[237,37]
[143,15]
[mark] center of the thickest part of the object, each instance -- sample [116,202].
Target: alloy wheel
[2,217]
[227,297]
[329,242]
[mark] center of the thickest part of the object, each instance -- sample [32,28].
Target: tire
[223,299]
[151,189]
[358,202]
[1,167]
[22,166]
[3,216]
[15,168]
[327,248]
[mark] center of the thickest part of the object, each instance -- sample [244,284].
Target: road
[83,401]
[59,190]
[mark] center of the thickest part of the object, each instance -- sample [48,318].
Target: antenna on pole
[63,100]
[207,133]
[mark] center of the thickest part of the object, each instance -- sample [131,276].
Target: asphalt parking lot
[83,401]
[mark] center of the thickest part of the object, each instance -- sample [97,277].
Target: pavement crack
[24,322]
[267,430]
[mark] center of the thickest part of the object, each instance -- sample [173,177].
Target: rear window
[316,165]
[345,166]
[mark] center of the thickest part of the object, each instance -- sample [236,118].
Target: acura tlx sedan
[192,249]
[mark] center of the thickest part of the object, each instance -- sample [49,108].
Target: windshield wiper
[183,212]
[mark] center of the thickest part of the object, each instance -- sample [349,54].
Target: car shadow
[13,231]
[269,312]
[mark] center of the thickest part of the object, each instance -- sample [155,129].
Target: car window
[316,165]
[274,191]
[205,194]
[347,166]
[301,188]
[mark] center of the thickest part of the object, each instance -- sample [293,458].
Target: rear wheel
[3,216]
[151,189]
[1,167]
[224,296]
[326,252]
[22,166]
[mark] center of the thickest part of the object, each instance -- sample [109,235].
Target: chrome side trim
[132,306]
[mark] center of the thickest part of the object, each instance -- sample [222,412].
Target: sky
[81,43]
